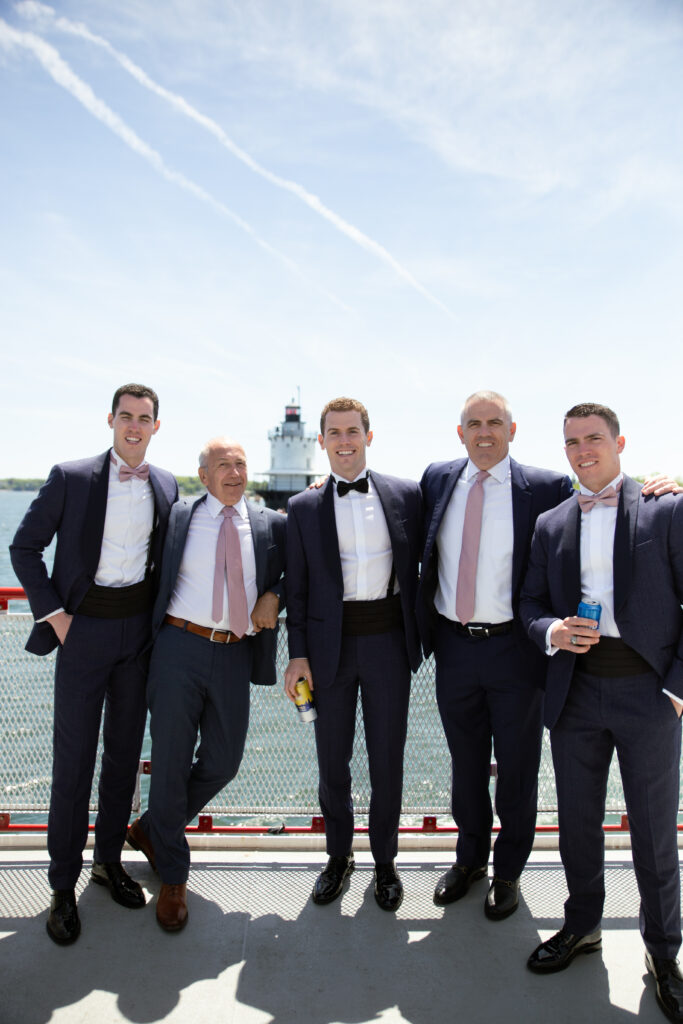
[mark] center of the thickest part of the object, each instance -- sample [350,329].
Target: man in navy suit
[109,514]
[617,688]
[215,629]
[488,674]
[352,558]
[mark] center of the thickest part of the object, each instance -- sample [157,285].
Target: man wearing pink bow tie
[619,687]
[109,514]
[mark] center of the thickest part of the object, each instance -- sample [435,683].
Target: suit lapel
[570,558]
[93,526]
[521,521]
[624,540]
[392,515]
[259,533]
[328,531]
[442,504]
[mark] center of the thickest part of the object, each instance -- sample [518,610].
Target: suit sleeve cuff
[549,648]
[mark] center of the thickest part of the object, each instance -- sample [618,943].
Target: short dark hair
[586,409]
[137,391]
[345,405]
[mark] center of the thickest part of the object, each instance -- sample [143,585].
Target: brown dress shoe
[139,840]
[172,907]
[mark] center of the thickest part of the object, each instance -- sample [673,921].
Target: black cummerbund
[610,658]
[117,602]
[364,618]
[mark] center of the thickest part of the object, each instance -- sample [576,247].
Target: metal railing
[278,775]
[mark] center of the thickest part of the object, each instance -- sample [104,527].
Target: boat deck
[256,949]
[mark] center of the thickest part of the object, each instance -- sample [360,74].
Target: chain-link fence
[278,776]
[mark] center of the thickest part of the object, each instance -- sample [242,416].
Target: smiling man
[215,628]
[480,514]
[352,560]
[619,688]
[109,514]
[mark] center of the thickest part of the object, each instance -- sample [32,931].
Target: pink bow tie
[140,472]
[608,496]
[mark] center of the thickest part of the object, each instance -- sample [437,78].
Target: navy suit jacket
[648,585]
[533,492]
[72,503]
[315,586]
[268,531]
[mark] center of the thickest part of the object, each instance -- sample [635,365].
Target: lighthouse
[292,458]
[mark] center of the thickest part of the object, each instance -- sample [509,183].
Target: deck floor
[256,949]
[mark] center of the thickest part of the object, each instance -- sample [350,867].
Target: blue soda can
[590,610]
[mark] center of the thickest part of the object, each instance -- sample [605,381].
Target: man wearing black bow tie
[109,514]
[352,558]
[619,688]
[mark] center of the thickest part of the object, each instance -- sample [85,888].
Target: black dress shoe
[388,886]
[502,898]
[63,924]
[669,983]
[122,887]
[558,952]
[454,884]
[330,882]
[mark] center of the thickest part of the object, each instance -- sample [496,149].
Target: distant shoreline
[186,485]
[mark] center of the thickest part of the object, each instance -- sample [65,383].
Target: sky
[239,201]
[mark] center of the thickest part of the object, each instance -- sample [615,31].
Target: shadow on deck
[256,949]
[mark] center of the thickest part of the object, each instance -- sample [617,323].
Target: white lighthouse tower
[292,457]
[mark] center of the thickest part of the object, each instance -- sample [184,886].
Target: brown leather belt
[217,636]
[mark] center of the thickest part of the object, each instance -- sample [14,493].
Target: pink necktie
[229,560]
[607,496]
[469,551]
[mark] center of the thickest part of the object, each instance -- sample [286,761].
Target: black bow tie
[343,487]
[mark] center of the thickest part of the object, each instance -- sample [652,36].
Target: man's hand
[61,623]
[677,707]
[264,615]
[583,629]
[661,484]
[297,668]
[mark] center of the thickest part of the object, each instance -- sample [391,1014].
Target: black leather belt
[483,630]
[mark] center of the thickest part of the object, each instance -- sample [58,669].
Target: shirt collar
[499,472]
[364,473]
[115,461]
[215,507]
[612,483]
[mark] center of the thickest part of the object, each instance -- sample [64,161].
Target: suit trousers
[634,717]
[378,666]
[196,687]
[103,662]
[485,697]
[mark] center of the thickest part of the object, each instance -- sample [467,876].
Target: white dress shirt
[364,543]
[597,563]
[127,529]
[192,597]
[493,587]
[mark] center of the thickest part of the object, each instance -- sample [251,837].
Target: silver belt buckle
[211,638]
[478,631]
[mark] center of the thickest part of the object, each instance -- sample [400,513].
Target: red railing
[8,594]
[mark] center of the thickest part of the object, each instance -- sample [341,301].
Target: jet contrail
[62,74]
[33,9]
